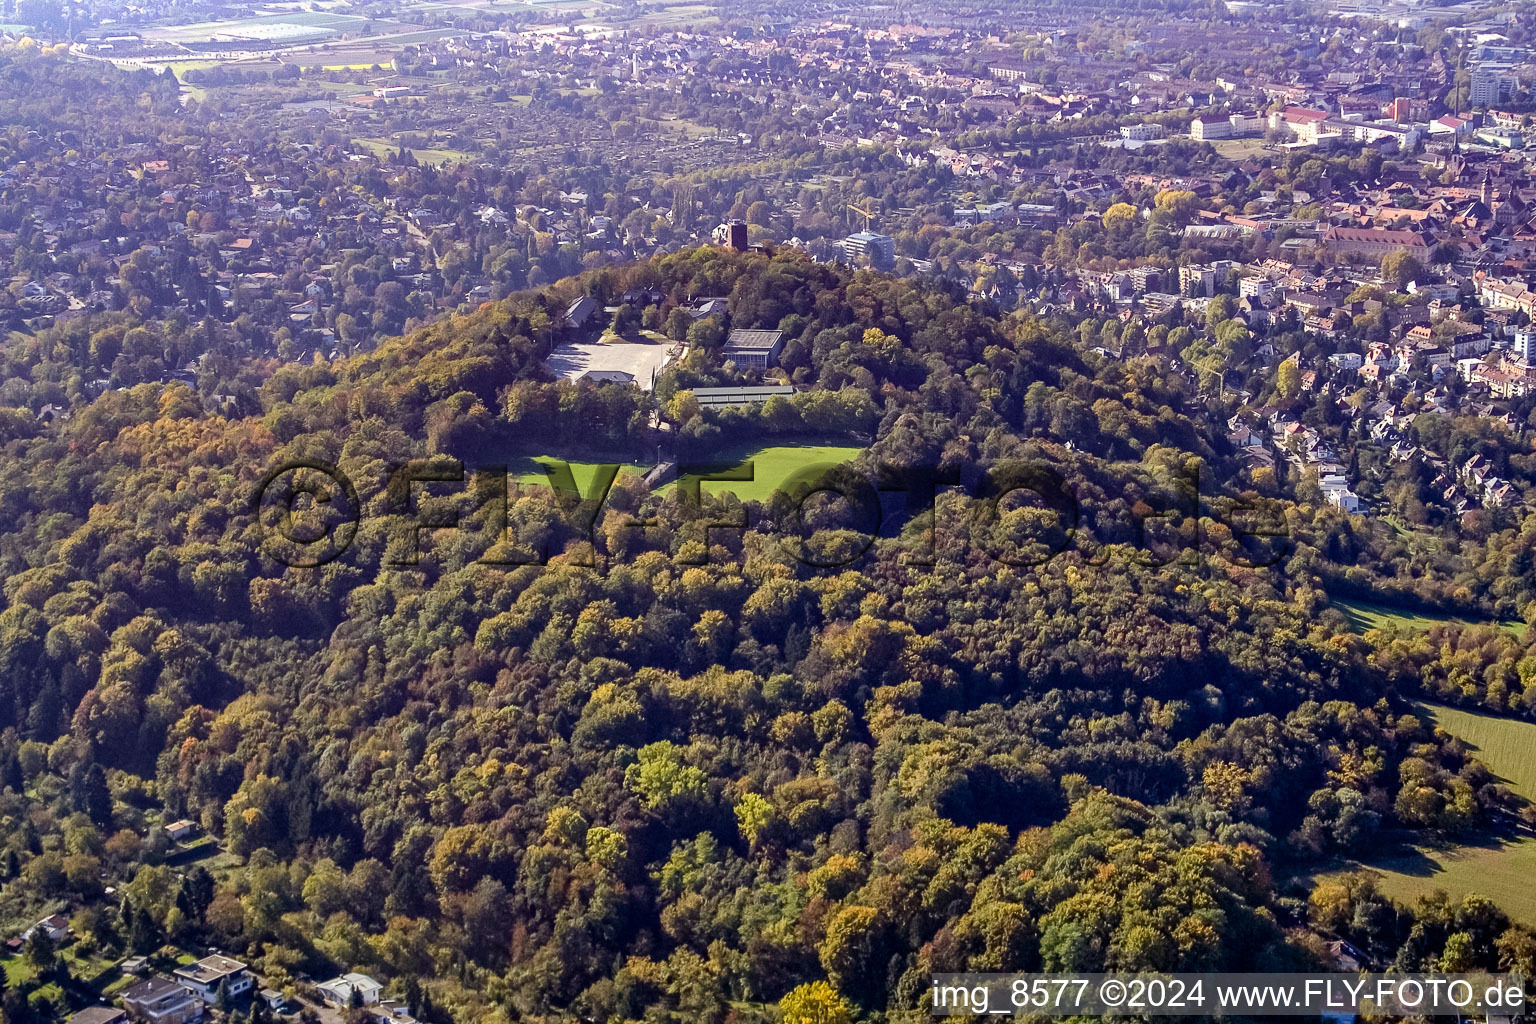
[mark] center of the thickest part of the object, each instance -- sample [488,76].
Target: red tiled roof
[1384,235]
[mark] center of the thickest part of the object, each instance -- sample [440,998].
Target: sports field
[531,470]
[772,467]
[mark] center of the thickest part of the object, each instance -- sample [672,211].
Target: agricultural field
[1500,867]
[354,54]
[679,16]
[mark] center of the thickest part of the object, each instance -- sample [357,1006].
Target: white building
[1247,124]
[1489,87]
[1445,292]
[880,248]
[1259,288]
[1336,491]
[1524,343]
[1202,130]
[204,978]
[340,991]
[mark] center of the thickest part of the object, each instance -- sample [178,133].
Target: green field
[682,15]
[1501,871]
[530,470]
[381,148]
[1500,868]
[1365,615]
[1505,745]
[771,467]
[1238,150]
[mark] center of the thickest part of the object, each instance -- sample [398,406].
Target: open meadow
[1499,866]
[1366,615]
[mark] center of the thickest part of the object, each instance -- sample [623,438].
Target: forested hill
[672,775]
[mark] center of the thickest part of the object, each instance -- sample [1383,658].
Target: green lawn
[775,464]
[1502,867]
[380,147]
[1238,150]
[1500,871]
[16,972]
[1365,615]
[1507,746]
[771,467]
[530,471]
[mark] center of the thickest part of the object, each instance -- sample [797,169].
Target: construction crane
[1212,365]
[866,211]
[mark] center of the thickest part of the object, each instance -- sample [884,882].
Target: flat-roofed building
[881,249]
[160,1000]
[204,978]
[100,1015]
[717,398]
[754,348]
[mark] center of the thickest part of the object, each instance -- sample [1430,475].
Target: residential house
[204,978]
[1336,491]
[100,1015]
[180,831]
[159,1000]
[343,991]
[56,928]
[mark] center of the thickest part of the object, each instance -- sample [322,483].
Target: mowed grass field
[1366,615]
[1239,149]
[530,471]
[772,467]
[436,157]
[1500,871]
[1503,868]
[1506,746]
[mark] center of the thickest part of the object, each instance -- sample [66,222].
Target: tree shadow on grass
[1421,857]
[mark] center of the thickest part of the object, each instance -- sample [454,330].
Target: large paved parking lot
[641,360]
